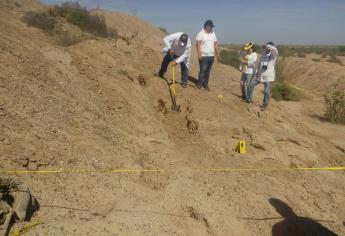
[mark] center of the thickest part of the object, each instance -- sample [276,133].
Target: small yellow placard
[241,147]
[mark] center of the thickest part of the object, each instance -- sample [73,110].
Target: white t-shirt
[251,63]
[207,41]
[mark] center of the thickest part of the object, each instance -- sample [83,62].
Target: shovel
[174,106]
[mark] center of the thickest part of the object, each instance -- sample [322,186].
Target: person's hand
[173,63]
[199,57]
[218,57]
[171,52]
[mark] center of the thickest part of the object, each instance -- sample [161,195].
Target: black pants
[165,63]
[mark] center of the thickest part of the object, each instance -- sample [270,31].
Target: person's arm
[168,41]
[186,54]
[198,44]
[216,49]
[274,51]
[252,60]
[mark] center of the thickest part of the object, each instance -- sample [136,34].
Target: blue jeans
[165,63]
[205,69]
[245,79]
[267,92]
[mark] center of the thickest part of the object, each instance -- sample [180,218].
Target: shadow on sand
[294,225]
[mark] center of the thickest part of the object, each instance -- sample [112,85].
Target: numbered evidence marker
[241,147]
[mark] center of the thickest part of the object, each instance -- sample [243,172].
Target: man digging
[177,50]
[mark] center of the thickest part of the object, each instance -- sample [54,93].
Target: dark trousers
[205,69]
[165,63]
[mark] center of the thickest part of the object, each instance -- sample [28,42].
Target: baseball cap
[209,23]
[183,39]
[270,43]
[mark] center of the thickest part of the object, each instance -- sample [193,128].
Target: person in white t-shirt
[177,50]
[207,48]
[265,73]
[248,63]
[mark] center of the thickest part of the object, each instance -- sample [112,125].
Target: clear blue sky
[283,22]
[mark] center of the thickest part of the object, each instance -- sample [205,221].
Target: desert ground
[85,107]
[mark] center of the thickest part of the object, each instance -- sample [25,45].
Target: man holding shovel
[177,50]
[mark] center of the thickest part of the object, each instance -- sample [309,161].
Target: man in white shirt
[265,74]
[177,50]
[207,47]
[247,67]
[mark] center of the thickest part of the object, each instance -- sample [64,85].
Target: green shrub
[230,57]
[40,20]
[335,107]
[283,91]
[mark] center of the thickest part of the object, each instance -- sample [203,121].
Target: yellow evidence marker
[241,147]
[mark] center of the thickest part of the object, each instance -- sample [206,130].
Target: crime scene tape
[61,171]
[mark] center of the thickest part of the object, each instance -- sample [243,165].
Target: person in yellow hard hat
[248,64]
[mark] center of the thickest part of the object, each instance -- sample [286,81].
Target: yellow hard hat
[248,46]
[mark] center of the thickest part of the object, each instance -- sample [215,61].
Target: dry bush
[67,39]
[230,57]
[40,20]
[316,59]
[335,107]
[334,59]
[77,15]
[281,90]
[164,30]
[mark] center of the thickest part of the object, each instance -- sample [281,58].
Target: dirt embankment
[85,107]
[319,76]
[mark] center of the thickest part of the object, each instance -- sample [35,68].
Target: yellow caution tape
[73,171]
[60,171]
[276,169]
[25,229]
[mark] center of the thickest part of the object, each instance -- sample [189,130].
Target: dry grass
[335,107]
[230,57]
[281,90]
[77,15]
[74,14]
[40,20]
[334,59]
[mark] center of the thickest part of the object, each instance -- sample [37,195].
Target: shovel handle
[173,79]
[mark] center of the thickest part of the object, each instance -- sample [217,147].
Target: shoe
[248,101]
[263,107]
[207,88]
[198,86]
[184,85]
[161,75]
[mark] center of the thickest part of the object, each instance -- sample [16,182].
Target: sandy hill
[83,108]
[318,76]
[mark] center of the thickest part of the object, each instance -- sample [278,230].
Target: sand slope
[82,107]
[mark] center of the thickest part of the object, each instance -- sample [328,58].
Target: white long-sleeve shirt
[269,59]
[184,53]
